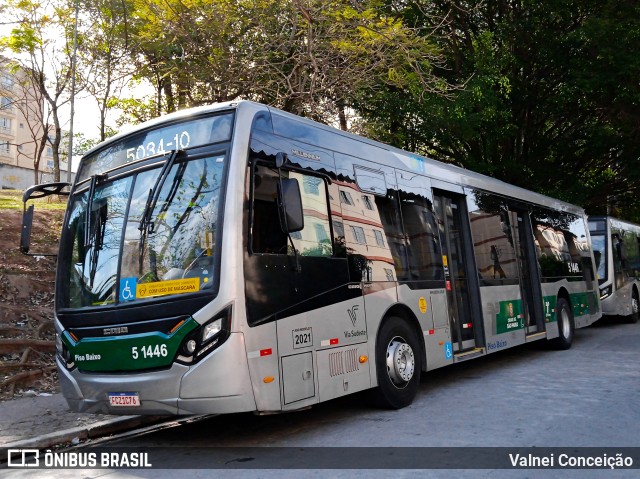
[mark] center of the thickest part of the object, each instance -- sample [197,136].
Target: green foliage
[541,94]
[550,102]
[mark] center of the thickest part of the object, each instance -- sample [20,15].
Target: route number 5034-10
[180,141]
[150,351]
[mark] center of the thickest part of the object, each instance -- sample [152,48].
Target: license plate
[125,399]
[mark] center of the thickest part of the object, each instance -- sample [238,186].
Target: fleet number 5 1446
[149,351]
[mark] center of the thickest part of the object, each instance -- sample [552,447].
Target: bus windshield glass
[598,244]
[128,248]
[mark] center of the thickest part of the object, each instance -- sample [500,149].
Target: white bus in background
[239,258]
[616,248]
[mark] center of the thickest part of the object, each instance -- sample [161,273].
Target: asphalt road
[588,396]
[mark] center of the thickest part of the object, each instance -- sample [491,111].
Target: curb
[91,431]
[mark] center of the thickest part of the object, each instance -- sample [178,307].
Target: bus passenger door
[533,313]
[459,267]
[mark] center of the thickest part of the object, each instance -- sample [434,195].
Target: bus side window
[267,235]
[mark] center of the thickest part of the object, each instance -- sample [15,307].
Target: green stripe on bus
[132,352]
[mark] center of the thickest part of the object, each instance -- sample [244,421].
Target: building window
[19,147]
[4,146]
[379,238]
[311,185]
[21,125]
[50,164]
[338,228]
[6,81]
[5,124]
[49,151]
[358,233]
[389,274]
[321,233]
[367,202]
[345,197]
[6,104]
[367,273]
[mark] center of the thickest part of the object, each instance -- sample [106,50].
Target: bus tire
[397,364]
[566,325]
[635,306]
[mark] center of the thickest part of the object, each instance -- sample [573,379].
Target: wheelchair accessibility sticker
[128,289]
[448,350]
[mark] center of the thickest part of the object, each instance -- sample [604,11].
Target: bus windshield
[122,263]
[150,231]
[598,244]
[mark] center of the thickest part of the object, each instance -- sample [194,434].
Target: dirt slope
[26,305]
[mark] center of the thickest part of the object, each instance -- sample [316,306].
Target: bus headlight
[206,338]
[605,292]
[210,329]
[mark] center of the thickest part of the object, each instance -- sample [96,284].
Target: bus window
[393,252]
[562,246]
[420,229]
[492,240]
[632,255]
[267,234]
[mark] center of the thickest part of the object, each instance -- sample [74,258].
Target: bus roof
[384,154]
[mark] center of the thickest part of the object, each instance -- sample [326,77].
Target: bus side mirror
[281,159]
[290,205]
[25,234]
[37,191]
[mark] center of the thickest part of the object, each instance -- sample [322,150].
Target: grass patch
[12,200]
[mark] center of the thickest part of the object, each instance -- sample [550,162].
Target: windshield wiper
[146,225]
[98,241]
[87,216]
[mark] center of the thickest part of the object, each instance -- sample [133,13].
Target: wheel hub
[400,362]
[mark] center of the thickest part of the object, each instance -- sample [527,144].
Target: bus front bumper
[218,384]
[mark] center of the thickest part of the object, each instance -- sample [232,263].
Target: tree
[550,102]
[305,56]
[40,39]
[104,62]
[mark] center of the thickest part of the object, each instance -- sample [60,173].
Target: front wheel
[397,363]
[566,326]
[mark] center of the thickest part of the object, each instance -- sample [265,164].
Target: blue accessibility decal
[448,350]
[128,289]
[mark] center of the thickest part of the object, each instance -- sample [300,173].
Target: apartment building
[22,110]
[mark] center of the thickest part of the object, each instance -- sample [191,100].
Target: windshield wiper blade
[98,241]
[146,225]
[87,218]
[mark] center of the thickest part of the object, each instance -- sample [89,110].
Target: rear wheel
[635,314]
[565,325]
[397,364]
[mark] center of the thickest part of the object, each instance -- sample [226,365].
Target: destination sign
[158,141]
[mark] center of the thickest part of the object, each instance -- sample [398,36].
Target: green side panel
[132,352]
[549,308]
[584,303]
[510,317]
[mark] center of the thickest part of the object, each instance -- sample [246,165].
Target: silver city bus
[238,258]
[616,248]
